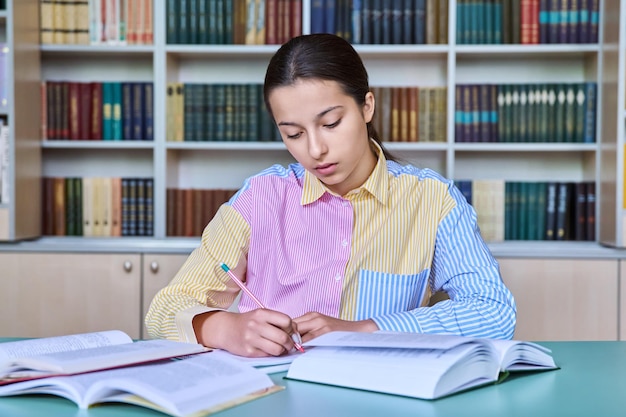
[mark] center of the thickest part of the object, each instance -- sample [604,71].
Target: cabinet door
[158,271]
[564,299]
[47,294]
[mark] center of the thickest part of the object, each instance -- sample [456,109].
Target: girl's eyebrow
[317,117]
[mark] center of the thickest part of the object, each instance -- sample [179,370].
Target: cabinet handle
[128,266]
[154,266]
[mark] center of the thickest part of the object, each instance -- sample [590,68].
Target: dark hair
[320,56]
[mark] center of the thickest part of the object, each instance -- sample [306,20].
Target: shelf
[184,245]
[522,51]
[83,51]
[244,146]
[221,51]
[526,147]
[97,144]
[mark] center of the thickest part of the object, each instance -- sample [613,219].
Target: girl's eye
[331,125]
[296,136]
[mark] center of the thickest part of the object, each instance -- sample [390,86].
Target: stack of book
[190,210]
[97,110]
[96,206]
[95,22]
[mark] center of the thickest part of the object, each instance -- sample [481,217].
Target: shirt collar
[376,184]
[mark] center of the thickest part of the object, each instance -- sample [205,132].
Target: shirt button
[337,277]
[345,203]
[344,243]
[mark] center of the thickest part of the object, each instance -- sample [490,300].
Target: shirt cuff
[403,321]
[184,322]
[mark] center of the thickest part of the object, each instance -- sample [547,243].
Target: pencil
[296,336]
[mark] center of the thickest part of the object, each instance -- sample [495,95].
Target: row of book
[382,21]
[97,110]
[97,206]
[411,114]
[84,22]
[189,210]
[5,162]
[551,112]
[218,112]
[526,21]
[515,210]
[250,22]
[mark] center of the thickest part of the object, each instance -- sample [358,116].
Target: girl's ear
[368,107]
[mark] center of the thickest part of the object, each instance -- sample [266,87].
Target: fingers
[265,332]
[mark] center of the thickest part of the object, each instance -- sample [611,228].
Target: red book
[271,24]
[84,111]
[525,21]
[296,18]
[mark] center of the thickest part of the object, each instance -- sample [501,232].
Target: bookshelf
[227,164]
[20,215]
[149,262]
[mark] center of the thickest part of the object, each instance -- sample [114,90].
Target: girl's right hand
[256,333]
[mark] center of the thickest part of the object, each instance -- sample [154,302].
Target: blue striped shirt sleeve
[480,305]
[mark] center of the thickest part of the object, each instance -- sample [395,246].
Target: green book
[189,112]
[540,191]
[523,210]
[107,111]
[220,111]
[559,113]
[172,16]
[523,113]
[532,214]
[551,113]
[515,113]
[116,122]
[70,207]
[570,113]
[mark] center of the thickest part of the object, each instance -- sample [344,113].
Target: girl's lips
[326,169]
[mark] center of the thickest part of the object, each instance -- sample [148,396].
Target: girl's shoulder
[397,170]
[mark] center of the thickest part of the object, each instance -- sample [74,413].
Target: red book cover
[526,20]
[84,111]
[296,18]
[271,27]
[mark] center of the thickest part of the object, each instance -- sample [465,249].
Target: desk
[592,382]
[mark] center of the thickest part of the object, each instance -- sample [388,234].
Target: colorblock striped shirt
[377,253]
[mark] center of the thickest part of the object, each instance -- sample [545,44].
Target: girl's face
[325,130]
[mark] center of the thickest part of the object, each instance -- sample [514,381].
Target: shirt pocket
[381,293]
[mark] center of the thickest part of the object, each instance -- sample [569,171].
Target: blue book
[330,14]
[138,109]
[419,22]
[356,19]
[317,16]
[148,113]
[117,111]
[589,129]
[127,111]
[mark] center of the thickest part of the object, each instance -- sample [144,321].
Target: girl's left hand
[312,325]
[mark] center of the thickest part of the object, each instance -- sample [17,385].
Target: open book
[72,354]
[194,385]
[414,365]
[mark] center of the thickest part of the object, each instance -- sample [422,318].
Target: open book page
[421,373]
[179,387]
[270,364]
[386,339]
[10,351]
[516,355]
[102,357]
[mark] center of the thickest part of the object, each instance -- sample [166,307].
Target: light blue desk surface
[591,382]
